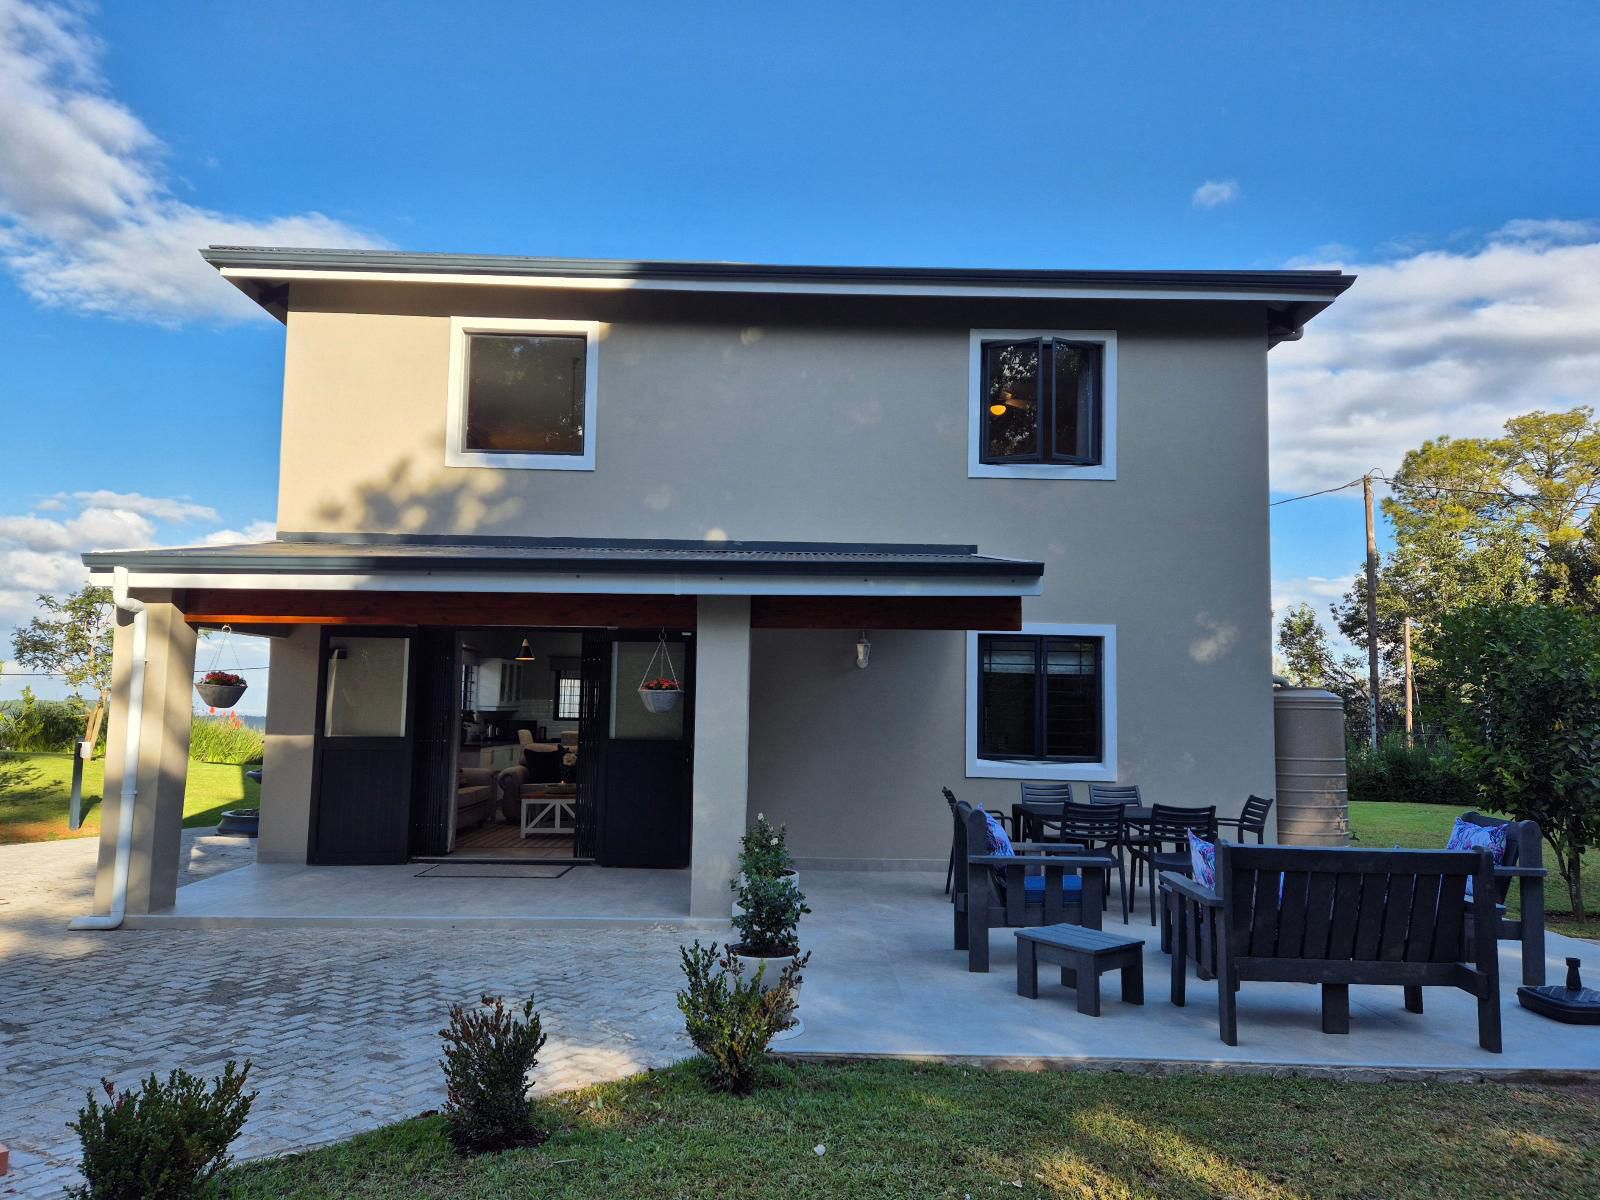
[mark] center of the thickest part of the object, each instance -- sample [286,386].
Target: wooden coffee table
[1083,954]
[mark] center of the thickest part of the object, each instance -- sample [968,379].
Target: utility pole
[1408,680]
[1372,605]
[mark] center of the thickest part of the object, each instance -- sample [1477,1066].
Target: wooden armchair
[1524,861]
[1030,887]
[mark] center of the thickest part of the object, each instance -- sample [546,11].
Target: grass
[1428,825]
[911,1130]
[35,790]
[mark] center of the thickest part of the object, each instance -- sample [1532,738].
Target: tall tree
[73,639]
[1485,521]
[1523,683]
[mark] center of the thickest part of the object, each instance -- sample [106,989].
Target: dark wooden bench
[991,890]
[1083,956]
[1295,914]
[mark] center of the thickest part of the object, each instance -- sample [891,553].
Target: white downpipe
[128,789]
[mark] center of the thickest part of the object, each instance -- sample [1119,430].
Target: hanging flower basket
[660,695]
[221,689]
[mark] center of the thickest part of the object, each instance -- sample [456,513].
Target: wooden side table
[1083,955]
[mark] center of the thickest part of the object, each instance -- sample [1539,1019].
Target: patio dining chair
[1041,810]
[1253,820]
[1100,830]
[1170,825]
[1120,794]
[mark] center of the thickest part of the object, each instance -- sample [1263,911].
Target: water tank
[1313,803]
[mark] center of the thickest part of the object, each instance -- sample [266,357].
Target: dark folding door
[437,727]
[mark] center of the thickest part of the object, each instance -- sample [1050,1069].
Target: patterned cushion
[1203,861]
[999,840]
[1464,835]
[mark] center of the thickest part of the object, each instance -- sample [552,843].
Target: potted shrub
[764,854]
[660,695]
[221,689]
[767,916]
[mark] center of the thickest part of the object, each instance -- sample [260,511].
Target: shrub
[1417,773]
[769,915]
[488,1055]
[225,739]
[730,1019]
[167,1139]
[764,850]
[42,726]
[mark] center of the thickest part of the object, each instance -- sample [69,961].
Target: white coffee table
[536,808]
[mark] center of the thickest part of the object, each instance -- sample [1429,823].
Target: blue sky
[1445,152]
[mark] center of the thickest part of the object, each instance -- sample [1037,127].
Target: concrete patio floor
[280,894]
[884,980]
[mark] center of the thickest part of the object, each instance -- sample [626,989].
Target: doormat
[493,871]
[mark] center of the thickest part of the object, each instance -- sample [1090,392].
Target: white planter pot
[775,968]
[660,700]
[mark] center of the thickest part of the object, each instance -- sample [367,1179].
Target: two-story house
[886,529]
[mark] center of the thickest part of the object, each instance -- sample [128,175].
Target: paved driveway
[342,1025]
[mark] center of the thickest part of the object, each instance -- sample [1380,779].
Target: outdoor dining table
[1023,814]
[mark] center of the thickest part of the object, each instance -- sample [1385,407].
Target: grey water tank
[1313,801]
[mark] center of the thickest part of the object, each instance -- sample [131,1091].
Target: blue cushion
[999,840]
[1033,885]
[1464,835]
[1203,861]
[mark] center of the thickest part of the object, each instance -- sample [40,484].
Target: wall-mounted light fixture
[863,650]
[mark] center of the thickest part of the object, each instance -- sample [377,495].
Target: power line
[1323,492]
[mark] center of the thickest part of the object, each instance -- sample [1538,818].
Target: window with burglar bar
[1040,698]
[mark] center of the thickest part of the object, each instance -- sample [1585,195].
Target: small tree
[73,639]
[1523,710]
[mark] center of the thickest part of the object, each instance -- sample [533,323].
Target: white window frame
[1104,771]
[1106,468]
[455,452]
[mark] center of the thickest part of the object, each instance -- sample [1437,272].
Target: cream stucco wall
[287,762]
[757,418]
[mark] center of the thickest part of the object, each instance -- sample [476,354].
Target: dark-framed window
[525,393]
[569,689]
[1041,697]
[1042,401]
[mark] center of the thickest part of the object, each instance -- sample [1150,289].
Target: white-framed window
[1042,404]
[1042,703]
[522,393]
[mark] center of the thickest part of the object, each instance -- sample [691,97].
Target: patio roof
[430,579]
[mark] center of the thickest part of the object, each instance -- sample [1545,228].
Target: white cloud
[1439,342]
[1214,193]
[256,531]
[162,508]
[88,220]
[43,553]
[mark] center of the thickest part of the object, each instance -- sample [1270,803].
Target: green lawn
[1428,825]
[34,791]
[894,1129]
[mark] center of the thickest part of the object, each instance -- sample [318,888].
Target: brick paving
[342,1024]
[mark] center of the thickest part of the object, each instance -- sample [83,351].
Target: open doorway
[516,773]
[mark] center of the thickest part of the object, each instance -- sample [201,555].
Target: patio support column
[721,750]
[163,758]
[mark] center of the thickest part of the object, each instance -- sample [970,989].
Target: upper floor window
[522,394]
[1043,404]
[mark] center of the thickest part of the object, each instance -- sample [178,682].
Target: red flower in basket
[660,685]
[224,678]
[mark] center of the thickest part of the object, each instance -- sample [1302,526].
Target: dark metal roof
[340,554]
[1321,283]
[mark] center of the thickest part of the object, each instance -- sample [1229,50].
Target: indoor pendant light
[526,653]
